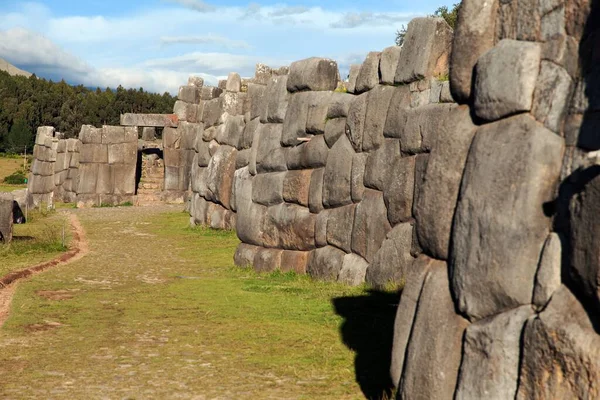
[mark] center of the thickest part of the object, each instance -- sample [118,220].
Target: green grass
[157,310]
[39,240]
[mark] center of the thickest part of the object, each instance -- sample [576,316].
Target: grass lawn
[157,310]
[7,167]
[39,240]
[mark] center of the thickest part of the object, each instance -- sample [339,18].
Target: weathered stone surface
[512,170]
[393,258]
[396,117]
[389,64]
[212,112]
[352,77]
[339,227]
[196,81]
[244,255]
[257,100]
[354,269]
[368,77]
[339,106]
[317,112]
[474,35]
[548,277]
[326,263]
[561,352]
[95,153]
[405,313]
[421,126]
[426,50]
[356,121]
[505,79]
[321,228]
[491,354]
[234,103]
[370,225]
[398,192]
[552,94]
[445,94]
[315,191]
[377,171]
[270,156]
[262,74]
[316,74]
[294,126]
[434,352]
[291,227]
[435,208]
[378,103]
[359,162]
[338,175]
[247,137]
[583,230]
[312,154]
[210,92]
[220,173]
[123,179]
[267,189]
[333,130]
[149,134]
[232,130]
[267,260]
[190,94]
[156,120]
[6,220]
[296,187]
[276,97]
[234,82]
[296,261]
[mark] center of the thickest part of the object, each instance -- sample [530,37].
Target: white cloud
[354,20]
[196,5]
[285,11]
[206,39]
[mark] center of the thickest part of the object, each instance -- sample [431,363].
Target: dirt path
[77,250]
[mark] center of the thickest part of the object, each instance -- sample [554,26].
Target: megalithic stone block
[155,120]
[316,74]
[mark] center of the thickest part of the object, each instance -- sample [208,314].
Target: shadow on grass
[368,330]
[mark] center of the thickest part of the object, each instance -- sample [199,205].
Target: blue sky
[157,44]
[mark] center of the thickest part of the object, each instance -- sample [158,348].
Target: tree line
[27,103]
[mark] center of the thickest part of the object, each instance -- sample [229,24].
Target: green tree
[19,137]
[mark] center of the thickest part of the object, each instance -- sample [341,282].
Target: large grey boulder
[270,156]
[426,50]
[354,269]
[359,163]
[334,128]
[368,77]
[294,125]
[244,255]
[317,112]
[377,168]
[396,117]
[583,225]
[389,64]
[434,352]
[405,314]
[315,191]
[393,259]
[561,352]
[491,355]
[352,77]
[338,175]
[512,170]
[355,124]
[232,130]
[473,36]
[505,79]
[247,136]
[378,103]
[267,260]
[326,263]
[421,126]
[296,261]
[311,154]
[435,208]
[548,278]
[339,106]
[276,97]
[212,112]
[316,74]
[267,189]
[220,173]
[257,101]
[234,82]
[6,219]
[339,227]
[291,226]
[190,94]
[296,187]
[552,95]
[370,225]
[399,189]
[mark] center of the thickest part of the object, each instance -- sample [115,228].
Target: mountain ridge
[12,70]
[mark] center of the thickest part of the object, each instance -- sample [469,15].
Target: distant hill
[12,70]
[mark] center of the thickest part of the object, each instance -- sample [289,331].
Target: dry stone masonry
[478,195]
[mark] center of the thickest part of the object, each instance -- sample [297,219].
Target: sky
[158,44]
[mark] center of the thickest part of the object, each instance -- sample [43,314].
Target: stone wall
[483,210]
[41,180]
[108,163]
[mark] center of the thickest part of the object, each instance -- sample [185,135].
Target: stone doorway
[150,176]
